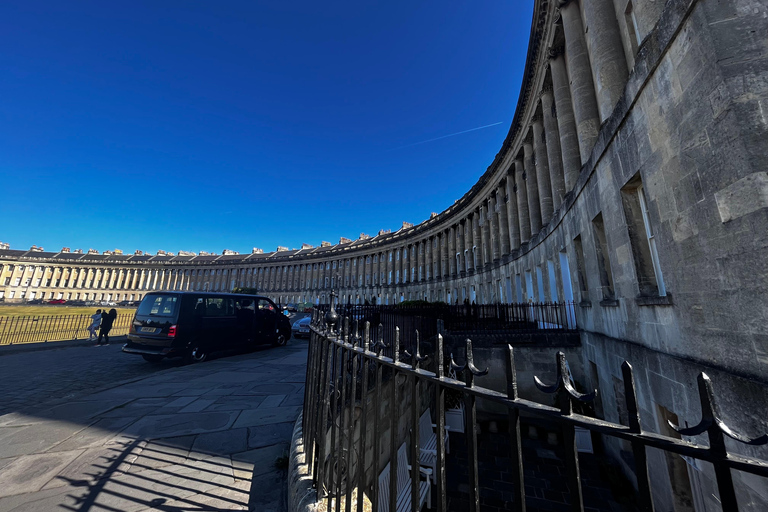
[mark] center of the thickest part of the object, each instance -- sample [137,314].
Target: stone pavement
[199,437]
[32,378]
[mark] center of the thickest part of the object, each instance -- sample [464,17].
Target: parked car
[34,301]
[300,327]
[56,301]
[292,308]
[76,303]
[194,324]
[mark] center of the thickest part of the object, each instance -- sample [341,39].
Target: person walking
[106,325]
[95,323]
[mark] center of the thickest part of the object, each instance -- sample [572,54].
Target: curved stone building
[632,181]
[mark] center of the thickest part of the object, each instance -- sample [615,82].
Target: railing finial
[712,419]
[416,357]
[331,318]
[563,381]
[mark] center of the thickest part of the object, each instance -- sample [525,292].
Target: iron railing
[345,365]
[42,328]
[510,318]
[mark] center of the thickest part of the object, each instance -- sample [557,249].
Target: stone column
[532,188]
[445,250]
[493,227]
[477,253]
[503,222]
[452,251]
[484,233]
[467,254]
[542,171]
[554,154]
[580,73]
[460,246]
[566,122]
[429,261]
[606,52]
[512,213]
[142,278]
[523,216]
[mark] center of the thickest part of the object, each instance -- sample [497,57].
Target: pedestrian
[106,325]
[95,323]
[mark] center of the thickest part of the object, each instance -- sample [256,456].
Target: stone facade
[632,181]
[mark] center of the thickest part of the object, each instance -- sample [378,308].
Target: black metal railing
[511,318]
[41,328]
[345,363]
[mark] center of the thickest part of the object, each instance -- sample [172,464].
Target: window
[642,239]
[603,261]
[632,30]
[565,274]
[540,285]
[552,281]
[159,305]
[579,249]
[529,285]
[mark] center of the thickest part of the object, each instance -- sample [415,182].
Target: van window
[243,304]
[218,306]
[265,305]
[158,305]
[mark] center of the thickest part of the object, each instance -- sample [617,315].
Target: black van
[194,324]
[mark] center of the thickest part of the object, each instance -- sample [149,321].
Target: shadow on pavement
[199,437]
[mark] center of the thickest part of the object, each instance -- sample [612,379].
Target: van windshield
[158,305]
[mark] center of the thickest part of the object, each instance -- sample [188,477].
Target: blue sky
[201,125]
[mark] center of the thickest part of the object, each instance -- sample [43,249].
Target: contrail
[446,136]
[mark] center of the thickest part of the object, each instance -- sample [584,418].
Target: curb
[19,348]
[302,497]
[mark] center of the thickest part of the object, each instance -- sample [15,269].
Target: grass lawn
[13,310]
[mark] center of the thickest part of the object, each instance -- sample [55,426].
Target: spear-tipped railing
[340,364]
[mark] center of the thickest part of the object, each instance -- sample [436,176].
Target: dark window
[603,261]
[580,267]
[642,239]
[159,305]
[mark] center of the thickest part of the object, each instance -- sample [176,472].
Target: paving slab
[268,435]
[267,416]
[197,437]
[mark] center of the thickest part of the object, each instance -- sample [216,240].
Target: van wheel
[281,340]
[152,358]
[195,355]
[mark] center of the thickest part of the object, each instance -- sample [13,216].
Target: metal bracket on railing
[711,417]
[563,381]
[379,345]
[469,365]
[417,357]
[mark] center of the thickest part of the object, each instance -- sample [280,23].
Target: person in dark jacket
[107,319]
